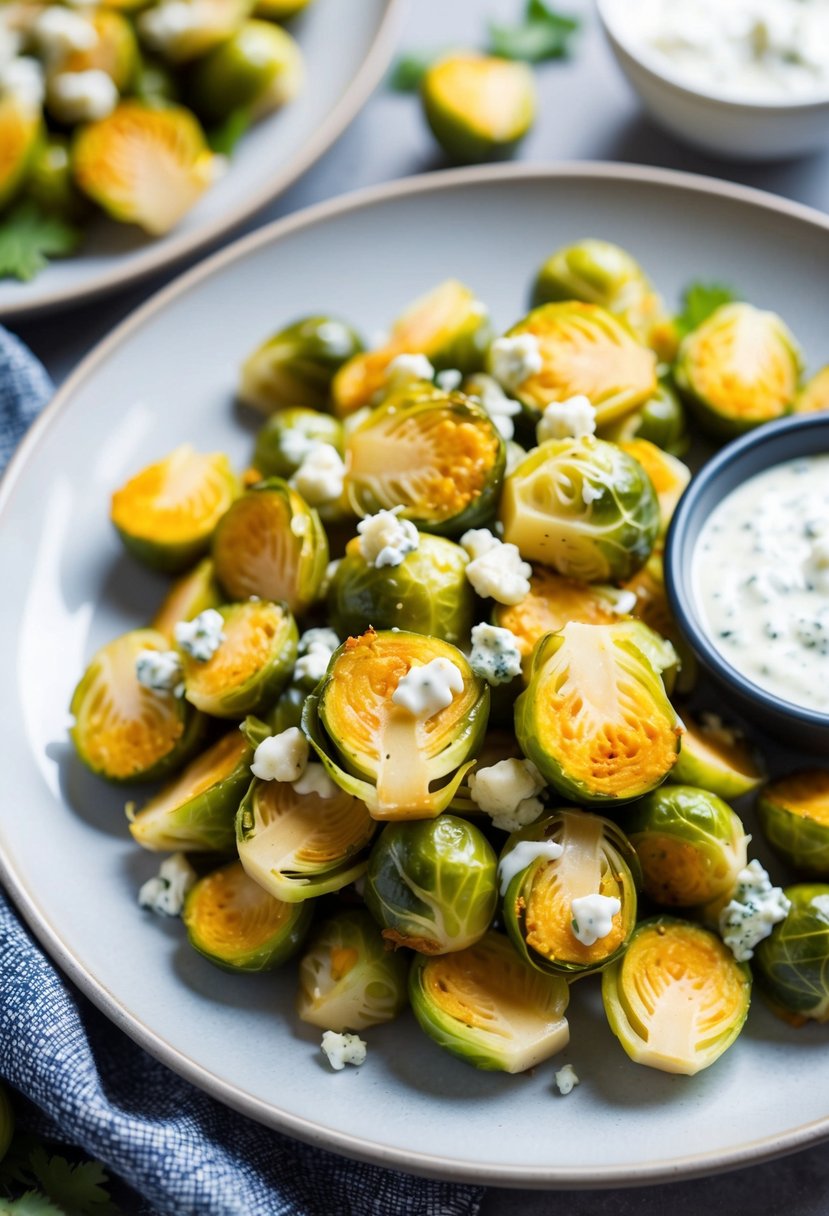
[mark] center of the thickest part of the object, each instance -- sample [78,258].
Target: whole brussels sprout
[289,436]
[738,369]
[479,107]
[791,966]
[195,812]
[437,455]
[348,977]
[237,925]
[690,844]
[21,127]
[431,885]
[363,725]
[584,507]
[794,816]
[216,21]
[715,758]
[298,364]
[598,272]
[450,326]
[115,51]
[549,900]
[661,420]
[427,593]
[814,395]
[582,350]
[259,68]
[488,1007]
[677,998]
[595,718]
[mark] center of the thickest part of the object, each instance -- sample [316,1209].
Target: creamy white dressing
[761,580]
[524,854]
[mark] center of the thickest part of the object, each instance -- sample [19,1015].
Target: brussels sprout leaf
[699,301]
[409,70]
[543,34]
[29,237]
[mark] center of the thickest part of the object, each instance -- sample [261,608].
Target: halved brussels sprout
[348,978]
[270,543]
[487,1006]
[658,650]
[379,750]
[677,999]
[814,396]
[553,601]
[259,68]
[598,272]
[179,41]
[595,719]
[792,964]
[251,666]
[715,758]
[144,164]
[115,52]
[233,922]
[438,455]
[539,911]
[299,846]
[296,366]
[427,593]
[49,182]
[584,351]
[668,475]
[648,585]
[449,325]
[187,598]
[690,844]
[124,731]
[661,420]
[738,369]
[432,885]
[582,506]
[20,130]
[479,106]
[289,435]
[166,514]
[794,816]
[196,811]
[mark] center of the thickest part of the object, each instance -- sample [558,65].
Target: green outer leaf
[802,842]
[699,301]
[29,238]
[792,964]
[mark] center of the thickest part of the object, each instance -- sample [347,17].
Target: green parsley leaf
[29,237]
[31,1204]
[543,34]
[409,70]
[224,137]
[699,301]
[77,1189]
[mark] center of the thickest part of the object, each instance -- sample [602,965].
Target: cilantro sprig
[35,1182]
[29,237]
[699,301]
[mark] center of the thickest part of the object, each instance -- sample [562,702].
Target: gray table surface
[586,113]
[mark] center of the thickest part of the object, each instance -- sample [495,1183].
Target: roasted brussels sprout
[487,1006]
[738,369]
[348,977]
[251,665]
[715,758]
[598,272]
[438,455]
[569,909]
[553,601]
[233,922]
[432,885]
[270,543]
[794,816]
[195,812]
[123,730]
[166,514]
[595,719]
[791,966]
[449,326]
[299,846]
[289,435]
[115,51]
[690,844]
[661,420]
[814,395]
[189,595]
[582,506]
[212,23]
[297,365]
[20,132]
[387,735]
[144,164]
[259,68]
[582,350]
[677,998]
[49,182]
[479,107]
[427,593]
[668,475]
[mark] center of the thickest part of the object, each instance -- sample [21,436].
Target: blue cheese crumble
[494,401]
[342,1049]
[514,360]
[281,757]
[566,1079]
[508,792]
[160,671]
[495,570]
[321,475]
[495,656]
[571,419]
[166,892]
[754,909]
[202,636]
[428,688]
[385,539]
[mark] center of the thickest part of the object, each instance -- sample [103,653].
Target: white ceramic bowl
[706,118]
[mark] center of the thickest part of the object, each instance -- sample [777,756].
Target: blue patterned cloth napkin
[91,1086]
